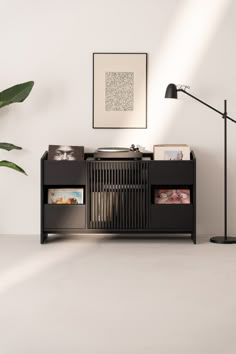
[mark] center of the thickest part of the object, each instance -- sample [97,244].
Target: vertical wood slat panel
[109,216]
[143,194]
[132,187]
[103,193]
[136,191]
[126,196]
[148,199]
[112,195]
[100,197]
[119,194]
[129,218]
[140,209]
[123,194]
[115,194]
[95,197]
[119,198]
[92,194]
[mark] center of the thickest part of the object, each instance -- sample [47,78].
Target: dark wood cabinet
[68,173]
[172,217]
[57,217]
[172,172]
[118,196]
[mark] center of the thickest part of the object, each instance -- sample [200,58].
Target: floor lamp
[171,92]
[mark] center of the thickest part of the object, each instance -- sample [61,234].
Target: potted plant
[17,93]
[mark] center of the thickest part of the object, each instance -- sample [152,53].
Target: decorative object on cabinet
[119,90]
[118,196]
[171,152]
[171,92]
[65,152]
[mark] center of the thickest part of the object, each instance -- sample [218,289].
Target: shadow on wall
[190,34]
[197,125]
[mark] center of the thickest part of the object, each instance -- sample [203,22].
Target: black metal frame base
[221,239]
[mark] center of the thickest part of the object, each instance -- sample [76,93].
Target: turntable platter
[113,149]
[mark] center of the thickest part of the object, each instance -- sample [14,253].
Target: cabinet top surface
[147,157]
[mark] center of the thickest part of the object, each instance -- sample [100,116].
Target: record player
[118,153]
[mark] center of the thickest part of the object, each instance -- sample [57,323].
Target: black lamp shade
[171,91]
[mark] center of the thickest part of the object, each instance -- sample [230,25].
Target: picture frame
[119,90]
[65,152]
[171,152]
[66,196]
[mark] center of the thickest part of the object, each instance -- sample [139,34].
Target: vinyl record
[113,149]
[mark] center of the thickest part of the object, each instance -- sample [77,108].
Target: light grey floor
[91,295]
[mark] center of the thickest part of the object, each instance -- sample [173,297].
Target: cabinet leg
[43,238]
[194,238]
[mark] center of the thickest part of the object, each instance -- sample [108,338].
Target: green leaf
[12,165]
[9,147]
[17,93]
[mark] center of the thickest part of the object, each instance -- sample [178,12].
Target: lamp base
[221,239]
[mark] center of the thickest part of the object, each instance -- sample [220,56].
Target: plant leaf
[9,147]
[16,93]
[12,165]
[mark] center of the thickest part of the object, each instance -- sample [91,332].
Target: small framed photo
[172,196]
[120,90]
[66,196]
[171,152]
[65,152]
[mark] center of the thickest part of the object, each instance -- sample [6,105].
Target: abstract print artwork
[119,90]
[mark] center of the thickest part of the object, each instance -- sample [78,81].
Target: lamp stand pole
[224,239]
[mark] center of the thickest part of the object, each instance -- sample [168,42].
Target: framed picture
[65,152]
[171,152]
[120,90]
[172,196]
[66,196]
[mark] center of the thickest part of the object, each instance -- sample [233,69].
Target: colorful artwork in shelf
[66,196]
[172,196]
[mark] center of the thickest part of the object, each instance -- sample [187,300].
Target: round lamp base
[221,239]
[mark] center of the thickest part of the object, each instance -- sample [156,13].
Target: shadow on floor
[127,238]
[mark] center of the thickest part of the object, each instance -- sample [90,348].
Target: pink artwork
[172,196]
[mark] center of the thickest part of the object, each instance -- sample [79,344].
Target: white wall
[52,41]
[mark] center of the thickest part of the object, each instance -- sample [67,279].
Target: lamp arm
[206,104]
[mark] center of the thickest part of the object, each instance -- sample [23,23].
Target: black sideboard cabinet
[118,196]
